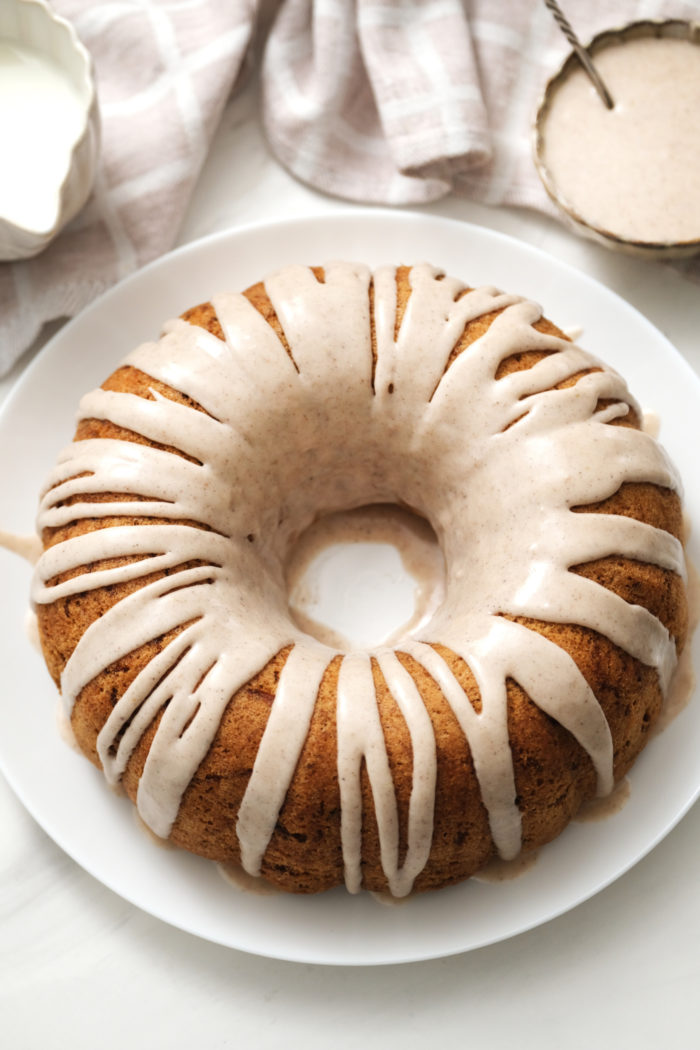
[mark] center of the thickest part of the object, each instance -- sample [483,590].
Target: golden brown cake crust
[553,773]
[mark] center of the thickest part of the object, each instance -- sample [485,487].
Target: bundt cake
[163,610]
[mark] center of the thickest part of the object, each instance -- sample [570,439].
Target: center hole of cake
[364,578]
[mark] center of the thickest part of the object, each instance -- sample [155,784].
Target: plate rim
[205,245]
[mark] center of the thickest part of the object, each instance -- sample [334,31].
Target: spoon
[581,52]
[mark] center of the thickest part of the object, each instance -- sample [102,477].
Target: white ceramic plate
[67,796]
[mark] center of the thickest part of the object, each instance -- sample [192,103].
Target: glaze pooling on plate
[443,436]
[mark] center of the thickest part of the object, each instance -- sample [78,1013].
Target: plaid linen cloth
[393,102]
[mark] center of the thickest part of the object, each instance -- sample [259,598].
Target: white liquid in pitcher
[41,117]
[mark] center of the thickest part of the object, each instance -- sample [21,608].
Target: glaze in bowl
[31,24]
[650,249]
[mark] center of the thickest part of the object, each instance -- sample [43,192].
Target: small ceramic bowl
[30,27]
[677,28]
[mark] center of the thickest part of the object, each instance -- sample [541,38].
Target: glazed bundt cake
[163,610]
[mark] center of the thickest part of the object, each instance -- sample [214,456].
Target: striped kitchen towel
[396,102]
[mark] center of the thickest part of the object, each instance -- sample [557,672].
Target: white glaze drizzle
[283,439]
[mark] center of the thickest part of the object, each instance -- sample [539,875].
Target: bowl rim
[82,76]
[673,28]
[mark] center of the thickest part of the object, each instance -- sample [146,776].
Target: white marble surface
[81,968]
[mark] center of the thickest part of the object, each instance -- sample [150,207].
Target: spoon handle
[583,56]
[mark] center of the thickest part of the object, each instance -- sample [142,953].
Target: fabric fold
[421,66]
[319,110]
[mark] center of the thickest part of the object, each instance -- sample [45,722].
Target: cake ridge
[463,429]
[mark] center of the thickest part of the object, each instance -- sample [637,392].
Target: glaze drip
[419,427]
